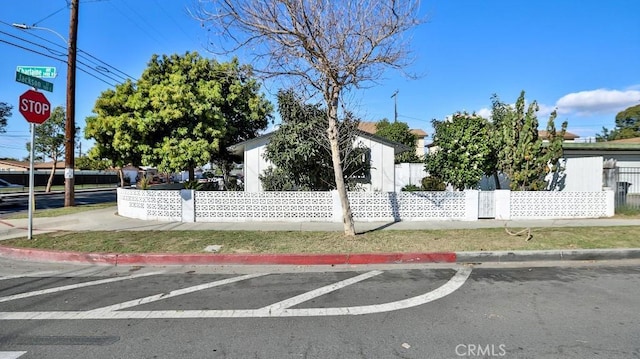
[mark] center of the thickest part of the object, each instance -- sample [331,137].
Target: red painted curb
[216,259]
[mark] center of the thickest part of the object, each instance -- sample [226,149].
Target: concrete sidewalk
[108,220]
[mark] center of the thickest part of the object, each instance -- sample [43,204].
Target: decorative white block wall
[219,206]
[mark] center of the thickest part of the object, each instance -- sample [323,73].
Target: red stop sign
[35,107]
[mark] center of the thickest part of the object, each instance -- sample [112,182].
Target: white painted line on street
[173,293]
[73,286]
[276,308]
[11,355]
[28,275]
[452,285]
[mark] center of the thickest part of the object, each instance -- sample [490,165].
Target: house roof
[626,140]
[37,165]
[602,146]
[542,134]
[238,149]
[370,127]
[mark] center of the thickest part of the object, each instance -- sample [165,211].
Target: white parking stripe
[452,285]
[280,306]
[173,293]
[28,275]
[72,286]
[11,355]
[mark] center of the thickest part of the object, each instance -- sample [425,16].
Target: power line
[63,54]
[55,58]
[106,64]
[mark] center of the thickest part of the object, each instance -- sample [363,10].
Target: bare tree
[329,46]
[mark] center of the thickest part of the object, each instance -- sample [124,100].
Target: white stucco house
[382,156]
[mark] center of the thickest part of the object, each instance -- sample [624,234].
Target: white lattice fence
[150,205]
[263,206]
[560,204]
[204,206]
[376,206]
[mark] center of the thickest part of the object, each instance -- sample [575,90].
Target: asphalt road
[578,310]
[10,205]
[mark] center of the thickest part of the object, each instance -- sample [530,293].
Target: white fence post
[503,204]
[471,200]
[337,207]
[611,202]
[188,205]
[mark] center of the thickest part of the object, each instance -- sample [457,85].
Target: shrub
[411,188]
[192,185]
[143,183]
[433,184]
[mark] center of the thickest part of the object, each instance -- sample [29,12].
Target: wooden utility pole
[70,123]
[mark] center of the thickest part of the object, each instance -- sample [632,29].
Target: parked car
[9,187]
[5,185]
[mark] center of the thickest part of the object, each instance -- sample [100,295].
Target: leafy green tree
[183,121]
[520,154]
[114,130]
[627,125]
[463,150]
[180,114]
[327,47]
[50,140]
[301,154]
[88,163]
[5,113]
[401,133]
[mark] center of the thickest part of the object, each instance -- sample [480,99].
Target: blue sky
[581,57]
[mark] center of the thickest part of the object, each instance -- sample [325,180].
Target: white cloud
[600,101]
[544,111]
[484,113]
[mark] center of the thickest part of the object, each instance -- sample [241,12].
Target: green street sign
[46,72]
[34,82]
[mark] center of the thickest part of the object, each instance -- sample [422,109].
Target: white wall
[254,164]
[582,174]
[224,206]
[382,165]
[409,173]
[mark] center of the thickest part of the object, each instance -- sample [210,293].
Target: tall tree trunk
[192,173]
[332,133]
[51,175]
[496,178]
[121,175]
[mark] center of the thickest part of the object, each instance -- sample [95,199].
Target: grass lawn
[335,242]
[55,212]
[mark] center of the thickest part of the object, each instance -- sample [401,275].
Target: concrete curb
[548,255]
[315,259]
[220,259]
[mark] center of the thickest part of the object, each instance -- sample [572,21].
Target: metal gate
[486,204]
[627,188]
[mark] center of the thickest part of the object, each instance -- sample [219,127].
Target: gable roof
[239,148]
[544,135]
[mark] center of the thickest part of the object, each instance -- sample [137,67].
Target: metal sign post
[31,180]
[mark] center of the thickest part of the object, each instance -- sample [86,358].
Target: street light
[70,123]
[28,27]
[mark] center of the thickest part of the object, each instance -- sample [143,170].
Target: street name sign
[47,72]
[34,82]
[35,107]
